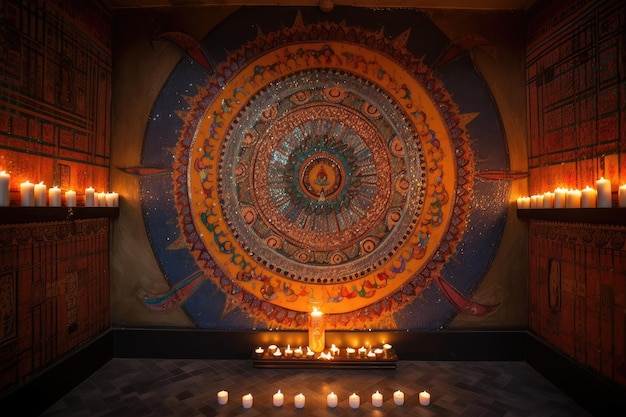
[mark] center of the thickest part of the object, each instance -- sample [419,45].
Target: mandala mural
[320,161]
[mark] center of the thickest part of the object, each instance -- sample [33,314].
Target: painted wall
[575,87]
[55,90]
[161,91]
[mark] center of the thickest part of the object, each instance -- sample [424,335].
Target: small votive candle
[604,193]
[27,194]
[622,195]
[90,199]
[371,355]
[297,352]
[247,401]
[354,401]
[288,352]
[222,397]
[362,351]
[350,352]
[331,400]
[54,197]
[278,399]
[378,352]
[5,184]
[272,348]
[298,400]
[398,397]
[377,399]
[40,195]
[424,398]
[278,353]
[70,198]
[334,350]
[259,351]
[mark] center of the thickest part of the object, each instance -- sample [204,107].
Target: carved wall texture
[55,86]
[575,85]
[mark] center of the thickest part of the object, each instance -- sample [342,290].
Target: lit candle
[298,400]
[533,201]
[424,398]
[70,198]
[247,401]
[588,197]
[331,400]
[5,183]
[278,399]
[377,399]
[386,346]
[27,193]
[288,352]
[350,352]
[278,353]
[354,401]
[222,397]
[573,199]
[520,202]
[112,199]
[560,195]
[309,353]
[297,352]
[548,199]
[317,340]
[102,199]
[371,355]
[90,200]
[604,193]
[622,195]
[334,350]
[40,194]
[398,397]
[54,196]
[526,202]
[272,348]
[362,351]
[378,352]
[539,201]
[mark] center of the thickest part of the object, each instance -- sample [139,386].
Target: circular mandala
[322,163]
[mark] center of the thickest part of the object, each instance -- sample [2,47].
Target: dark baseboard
[593,392]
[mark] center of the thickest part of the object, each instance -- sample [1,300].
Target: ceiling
[328,4]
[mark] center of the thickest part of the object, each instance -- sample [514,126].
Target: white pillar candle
[54,197]
[331,400]
[278,399]
[588,197]
[298,400]
[377,399]
[70,198]
[112,199]
[622,195]
[40,194]
[222,397]
[90,200]
[424,398]
[533,201]
[354,401]
[102,199]
[5,184]
[27,193]
[247,401]
[573,199]
[548,199]
[560,195]
[398,397]
[604,193]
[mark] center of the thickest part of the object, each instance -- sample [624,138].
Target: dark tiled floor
[158,387]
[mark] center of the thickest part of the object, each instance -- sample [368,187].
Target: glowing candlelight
[247,401]
[70,198]
[398,397]
[622,195]
[588,197]
[424,398]
[54,196]
[5,183]
[40,195]
[90,197]
[604,193]
[317,340]
[354,401]
[331,400]
[560,195]
[298,400]
[27,193]
[222,397]
[278,399]
[377,399]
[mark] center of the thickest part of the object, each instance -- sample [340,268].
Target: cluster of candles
[39,195]
[599,197]
[334,351]
[332,400]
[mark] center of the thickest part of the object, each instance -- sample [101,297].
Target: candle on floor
[40,195]
[354,401]
[54,197]
[90,199]
[622,195]
[278,399]
[5,184]
[331,400]
[27,193]
[398,397]
[377,399]
[222,397]
[588,197]
[247,401]
[70,198]
[424,398]
[298,400]
[604,193]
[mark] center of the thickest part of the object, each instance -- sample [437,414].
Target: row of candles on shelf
[332,400]
[39,195]
[599,197]
[362,352]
